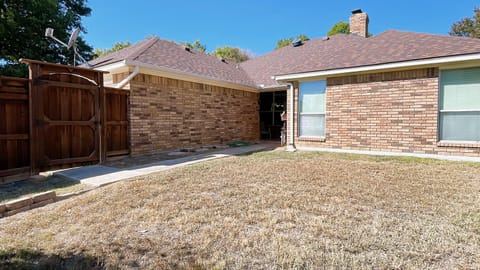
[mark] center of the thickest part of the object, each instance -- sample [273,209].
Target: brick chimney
[359,23]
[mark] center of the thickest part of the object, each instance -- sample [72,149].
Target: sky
[256,26]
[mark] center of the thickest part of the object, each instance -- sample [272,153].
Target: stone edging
[37,200]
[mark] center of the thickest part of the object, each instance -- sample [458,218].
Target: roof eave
[386,66]
[272,88]
[175,74]
[112,66]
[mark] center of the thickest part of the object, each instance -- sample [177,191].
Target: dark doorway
[272,104]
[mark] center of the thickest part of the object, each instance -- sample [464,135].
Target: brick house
[395,92]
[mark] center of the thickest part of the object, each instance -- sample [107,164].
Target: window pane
[312,97]
[312,125]
[460,126]
[460,89]
[461,97]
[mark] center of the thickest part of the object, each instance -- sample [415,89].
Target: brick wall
[391,111]
[170,114]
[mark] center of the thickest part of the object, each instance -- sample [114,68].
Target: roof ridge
[142,48]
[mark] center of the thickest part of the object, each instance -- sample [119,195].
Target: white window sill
[466,144]
[311,139]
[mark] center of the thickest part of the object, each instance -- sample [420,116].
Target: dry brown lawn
[272,210]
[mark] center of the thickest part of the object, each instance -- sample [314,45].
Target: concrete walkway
[99,175]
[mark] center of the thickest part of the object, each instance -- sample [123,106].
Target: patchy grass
[26,188]
[273,210]
[27,259]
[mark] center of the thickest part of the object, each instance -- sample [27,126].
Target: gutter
[290,143]
[124,82]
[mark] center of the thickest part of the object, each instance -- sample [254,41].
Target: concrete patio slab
[85,172]
[99,175]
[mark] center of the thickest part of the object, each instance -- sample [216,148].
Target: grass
[26,188]
[272,210]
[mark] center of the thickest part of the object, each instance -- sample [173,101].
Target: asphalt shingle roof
[314,54]
[346,51]
[167,54]
[339,51]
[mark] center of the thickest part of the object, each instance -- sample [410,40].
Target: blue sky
[256,25]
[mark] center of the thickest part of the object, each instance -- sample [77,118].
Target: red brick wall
[170,114]
[391,111]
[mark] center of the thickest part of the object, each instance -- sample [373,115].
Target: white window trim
[470,110]
[459,142]
[322,137]
[439,139]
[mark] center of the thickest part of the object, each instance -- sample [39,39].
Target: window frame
[299,114]
[440,140]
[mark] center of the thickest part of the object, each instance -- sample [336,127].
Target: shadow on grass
[28,259]
[18,189]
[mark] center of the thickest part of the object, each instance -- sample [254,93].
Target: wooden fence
[116,122]
[14,127]
[60,117]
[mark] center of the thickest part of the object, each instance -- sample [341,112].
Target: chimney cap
[357,11]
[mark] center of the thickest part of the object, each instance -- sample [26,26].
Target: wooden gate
[65,115]
[62,116]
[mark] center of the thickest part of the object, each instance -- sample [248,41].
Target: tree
[116,47]
[467,27]
[284,42]
[231,54]
[287,41]
[22,32]
[339,28]
[342,28]
[196,46]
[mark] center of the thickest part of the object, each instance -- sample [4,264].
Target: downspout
[124,82]
[290,143]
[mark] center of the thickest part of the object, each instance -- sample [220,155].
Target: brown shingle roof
[166,54]
[345,51]
[339,51]
[312,55]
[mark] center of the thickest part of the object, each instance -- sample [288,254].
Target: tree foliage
[467,27]
[116,47]
[231,54]
[196,46]
[339,28]
[22,32]
[287,41]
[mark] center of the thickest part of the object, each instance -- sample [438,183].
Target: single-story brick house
[397,91]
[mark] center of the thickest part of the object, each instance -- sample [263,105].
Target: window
[460,105]
[312,109]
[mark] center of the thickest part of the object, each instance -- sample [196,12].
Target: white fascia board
[113,66]
[273,88]
[397,65]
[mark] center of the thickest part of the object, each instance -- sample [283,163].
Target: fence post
[33,71]
[102,128]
